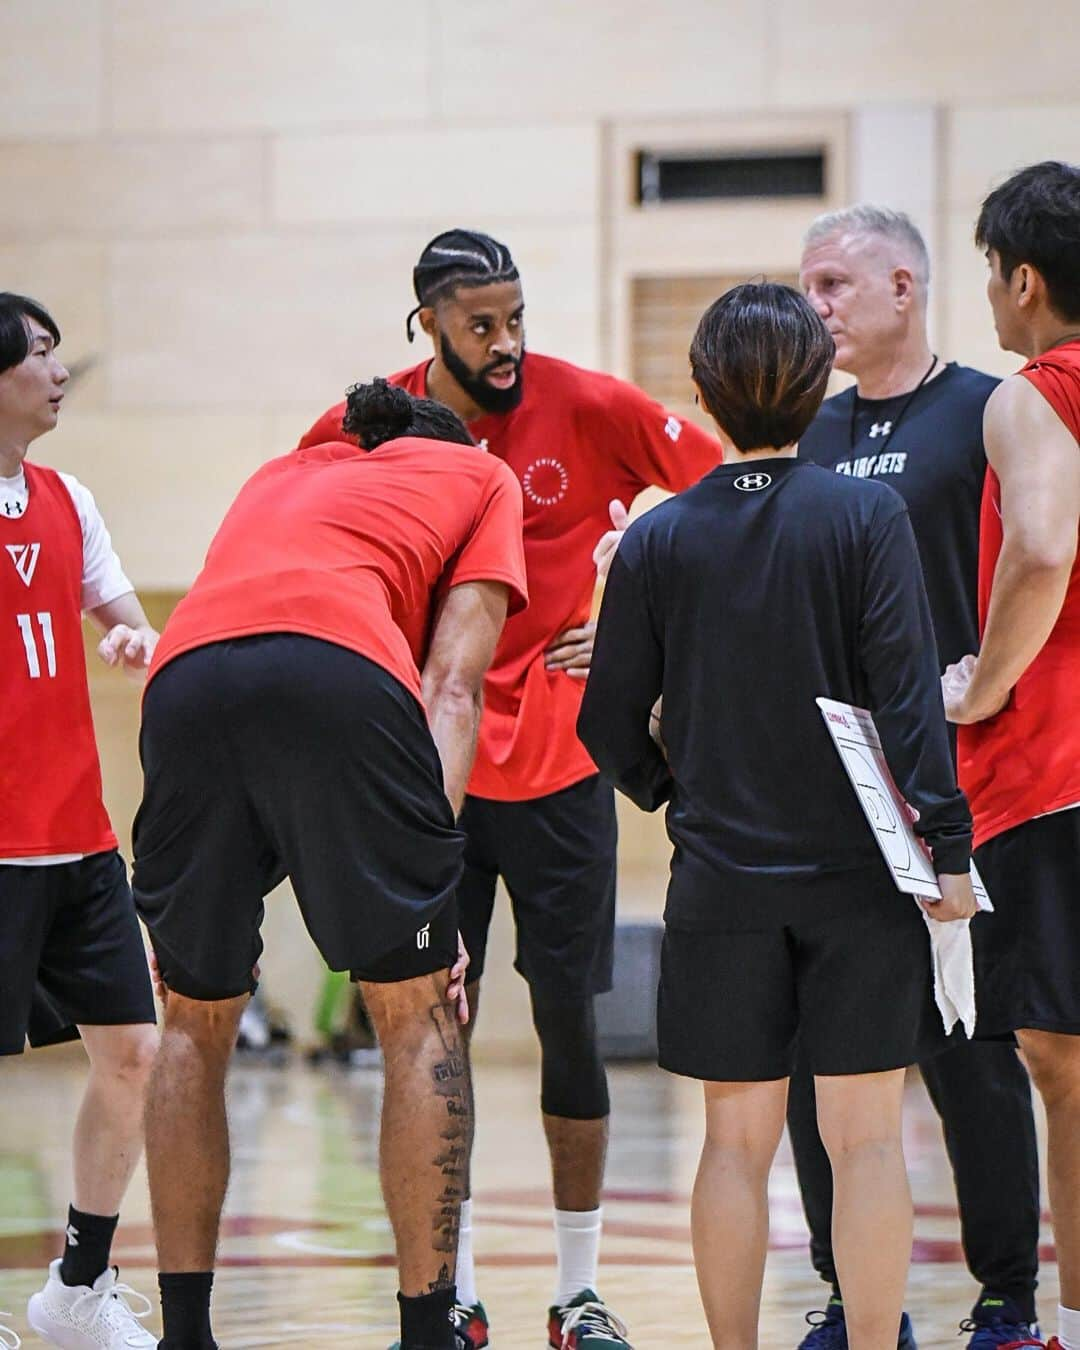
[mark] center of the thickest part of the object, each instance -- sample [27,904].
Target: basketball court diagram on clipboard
[857,743]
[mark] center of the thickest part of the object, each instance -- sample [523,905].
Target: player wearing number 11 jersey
[71,954]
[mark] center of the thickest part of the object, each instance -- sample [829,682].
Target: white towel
[954,969]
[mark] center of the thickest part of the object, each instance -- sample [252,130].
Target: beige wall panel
[566,59]
[50,68]
[985,144]
[286,321]
[529,172]
[68,277]
[136,187]
[248,65]
[969,330]
[163,482]
[257,321]
[840,52]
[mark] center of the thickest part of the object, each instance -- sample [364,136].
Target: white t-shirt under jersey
[103,579]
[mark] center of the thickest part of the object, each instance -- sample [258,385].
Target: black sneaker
[828,1329]
[586,1323]
[997,1323]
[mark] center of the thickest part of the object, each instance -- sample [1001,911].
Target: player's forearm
[454,718]
[1028,592]
[126,609]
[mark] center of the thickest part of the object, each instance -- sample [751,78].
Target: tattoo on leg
[443,1281]
[450,1077]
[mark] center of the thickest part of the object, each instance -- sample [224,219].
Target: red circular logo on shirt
[545,481]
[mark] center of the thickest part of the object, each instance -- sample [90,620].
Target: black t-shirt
[935,459]
[742,600]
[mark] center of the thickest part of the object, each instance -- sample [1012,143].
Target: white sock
[466,1270]
[577,1243]
[1069,1328]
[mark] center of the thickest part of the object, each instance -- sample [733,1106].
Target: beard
[475,383]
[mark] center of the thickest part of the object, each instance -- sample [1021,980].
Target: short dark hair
[458,258]
[761,359]
[1034,217]
[381,411]
[15,310]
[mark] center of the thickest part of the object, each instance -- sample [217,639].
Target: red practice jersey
[1025,762]
[577,440]
[50,778]
[355,547]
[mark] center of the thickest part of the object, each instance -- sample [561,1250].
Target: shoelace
[590,1316]
[827,1331]
[103,1298]
[8,1338]
[1000,1334]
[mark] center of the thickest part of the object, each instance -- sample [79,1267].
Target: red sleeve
[656,447]
[327,428]
[494,550]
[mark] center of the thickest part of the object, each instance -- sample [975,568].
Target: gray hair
[865,218]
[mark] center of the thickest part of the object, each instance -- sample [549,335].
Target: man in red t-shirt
[288,731]
[71,954]
[537,813]
[1018,701]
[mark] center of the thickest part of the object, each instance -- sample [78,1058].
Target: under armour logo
[25,557]
[13,508]
[753,482]
[72,1234]
[880,429]
[673,428]
[423,938]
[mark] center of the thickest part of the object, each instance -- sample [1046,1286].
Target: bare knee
[204,1028]
[860,1115]
[1054,1064]
[124,1053]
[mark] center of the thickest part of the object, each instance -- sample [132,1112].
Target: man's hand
[609,543]
[455,990]
[129,648]
[957,899]
[964,702]
[572,651]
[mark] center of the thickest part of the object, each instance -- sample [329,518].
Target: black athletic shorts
[1027,953]
[855,991]
[556,855]
[71,952]
[279,756]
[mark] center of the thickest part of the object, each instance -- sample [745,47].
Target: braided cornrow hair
[454,258]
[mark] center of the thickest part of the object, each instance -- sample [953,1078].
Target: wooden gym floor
[306,1254]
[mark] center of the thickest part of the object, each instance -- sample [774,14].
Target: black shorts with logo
[283,755]
[853,990]
[556,855]
[1027,953]
[71,952]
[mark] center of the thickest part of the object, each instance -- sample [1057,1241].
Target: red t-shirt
[50,778]
[355,547]
[577,440]
[1025,762]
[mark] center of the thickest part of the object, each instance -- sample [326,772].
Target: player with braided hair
[537,813]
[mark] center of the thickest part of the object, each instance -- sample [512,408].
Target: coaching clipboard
[857,743]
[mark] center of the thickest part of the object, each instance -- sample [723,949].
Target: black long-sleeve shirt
[741,601]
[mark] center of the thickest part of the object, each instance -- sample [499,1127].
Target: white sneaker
[8,1339]
[81,1318]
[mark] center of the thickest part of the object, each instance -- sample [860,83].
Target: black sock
[185,1311]
[87,1246]
[425,1320]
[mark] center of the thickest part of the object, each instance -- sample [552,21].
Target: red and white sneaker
[471,1323]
